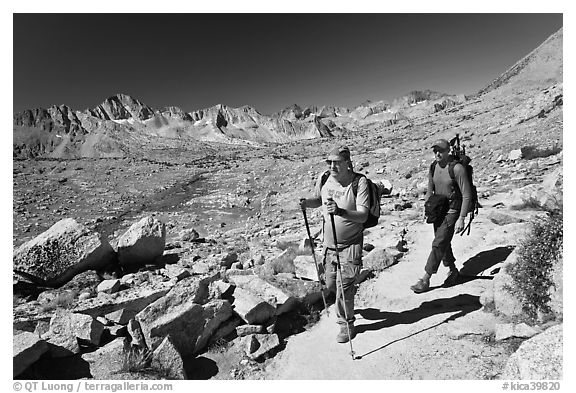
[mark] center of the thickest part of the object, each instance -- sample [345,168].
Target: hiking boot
[451,279]
[342,337]
[421,286]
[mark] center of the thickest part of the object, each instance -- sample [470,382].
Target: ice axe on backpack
[314,256]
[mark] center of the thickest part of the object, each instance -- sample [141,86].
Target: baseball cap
[442,144]
[341,153]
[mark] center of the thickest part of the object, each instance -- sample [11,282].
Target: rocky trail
[440,334]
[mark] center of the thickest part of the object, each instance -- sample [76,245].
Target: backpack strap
[451,166]
[432,167]
[355,181]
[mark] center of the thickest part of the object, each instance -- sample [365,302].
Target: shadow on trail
[483,261]
[473,268]
[461,304]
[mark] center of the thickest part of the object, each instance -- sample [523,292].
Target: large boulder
[190,325]
[180,313]
[504,301]
[142,243]
[63,251]
[547,194]
[26,349]
[166,358]
[252,308]
[132,300]
[278,298]
[108,361]
[556,291]
[68,330]
[539,358]
[305,268]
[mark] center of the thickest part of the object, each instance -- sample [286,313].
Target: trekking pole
[315,263]
[341,284]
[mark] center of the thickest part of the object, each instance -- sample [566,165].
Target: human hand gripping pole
[314,255]
[339,268]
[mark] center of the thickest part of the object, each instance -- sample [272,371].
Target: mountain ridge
[123,125]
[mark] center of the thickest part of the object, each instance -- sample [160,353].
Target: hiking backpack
[459,157]
[373,197]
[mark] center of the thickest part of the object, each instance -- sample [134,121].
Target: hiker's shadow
[474,267]
[464,304]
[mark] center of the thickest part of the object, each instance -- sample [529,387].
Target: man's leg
[441,249]
[350,262]
[449,259]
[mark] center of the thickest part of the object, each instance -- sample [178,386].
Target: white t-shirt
[347,232]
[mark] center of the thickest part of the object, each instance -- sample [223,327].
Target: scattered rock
[109,286]
[189,235]
[245,330]
[499,218]
[227,259]
[258,345]
[378,260]
[137,339]
[515,155]
[508,330]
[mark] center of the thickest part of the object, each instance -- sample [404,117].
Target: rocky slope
[229,212]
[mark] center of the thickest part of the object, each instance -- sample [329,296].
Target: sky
[267,61]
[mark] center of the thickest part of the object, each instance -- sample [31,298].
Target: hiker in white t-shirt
[350,211]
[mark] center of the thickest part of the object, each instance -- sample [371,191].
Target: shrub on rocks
[538,253]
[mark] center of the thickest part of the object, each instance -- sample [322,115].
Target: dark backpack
[435,208]
[373,197]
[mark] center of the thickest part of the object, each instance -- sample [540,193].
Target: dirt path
[440,334]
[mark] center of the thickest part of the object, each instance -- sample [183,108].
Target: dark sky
[267,61]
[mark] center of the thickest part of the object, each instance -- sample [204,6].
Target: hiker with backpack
[344,196]
[448,201]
